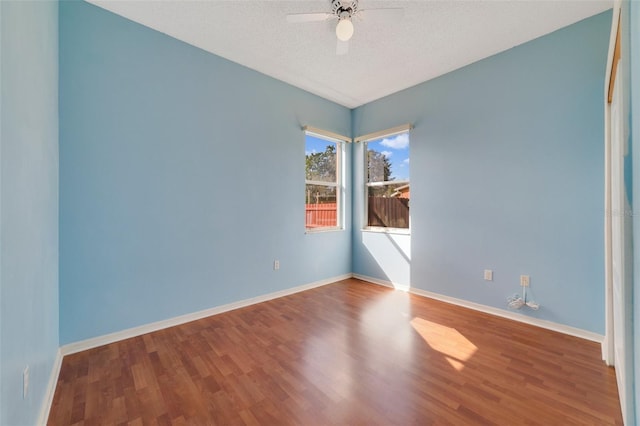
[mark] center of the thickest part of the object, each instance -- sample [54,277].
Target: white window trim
[325,134]
[404,128]
[339,140]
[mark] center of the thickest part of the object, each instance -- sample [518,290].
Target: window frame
[340,142]
[365,139]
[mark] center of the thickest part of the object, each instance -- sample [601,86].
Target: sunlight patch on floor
[456,348]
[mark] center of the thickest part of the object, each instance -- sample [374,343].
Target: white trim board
[51,390]
[94,342]
[549,325]
[384,133]
[384,283]
[326,134]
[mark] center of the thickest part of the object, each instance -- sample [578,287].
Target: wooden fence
[318,215]
[389,212]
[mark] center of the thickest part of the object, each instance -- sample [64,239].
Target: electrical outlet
[488,275]
[276,265]
[524,280]
[25,382]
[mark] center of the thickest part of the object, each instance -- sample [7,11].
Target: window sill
[380,230]
[322,230]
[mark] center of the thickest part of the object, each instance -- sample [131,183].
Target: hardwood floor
[346,353]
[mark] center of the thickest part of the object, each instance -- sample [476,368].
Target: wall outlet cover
[25,382]
[488,275]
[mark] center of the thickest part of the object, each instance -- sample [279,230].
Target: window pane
[388,182]
[388,205]
[323,180]
[321,159]
[321,206]
[388,158]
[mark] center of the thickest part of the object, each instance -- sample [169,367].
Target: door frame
[612,84]
[607,344]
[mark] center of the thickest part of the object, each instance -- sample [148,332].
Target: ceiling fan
[344,11]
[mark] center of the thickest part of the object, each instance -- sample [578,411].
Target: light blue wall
[29,205]
[181,178]
[167,154]
[506,174]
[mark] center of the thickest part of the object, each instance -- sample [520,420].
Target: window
[323,182]
[387,184]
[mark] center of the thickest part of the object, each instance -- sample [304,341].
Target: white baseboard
[385,283]
[51,390]
[549,325]
[159,325]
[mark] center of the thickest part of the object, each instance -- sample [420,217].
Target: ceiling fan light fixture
[344,29]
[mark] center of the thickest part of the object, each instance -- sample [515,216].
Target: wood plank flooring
[347,353]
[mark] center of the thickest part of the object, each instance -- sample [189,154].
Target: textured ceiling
[431,39]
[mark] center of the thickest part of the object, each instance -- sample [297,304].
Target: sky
[315,144]
[395,148]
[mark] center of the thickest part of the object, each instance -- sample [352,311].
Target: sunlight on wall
[456,348]
[392,253]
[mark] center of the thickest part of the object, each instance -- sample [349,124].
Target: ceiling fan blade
[308,17]
[381,15]
[342,48]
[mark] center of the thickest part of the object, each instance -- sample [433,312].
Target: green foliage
[322,165]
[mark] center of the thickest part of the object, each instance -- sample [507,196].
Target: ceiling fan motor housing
[344,9]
